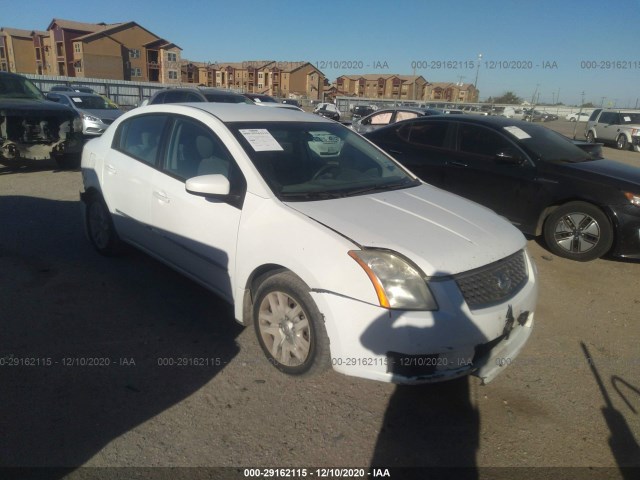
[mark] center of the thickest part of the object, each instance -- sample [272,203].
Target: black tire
[296,345]
[621,142]
[578,231]
[99,226]
[69,161]
[573,120]
[591,138]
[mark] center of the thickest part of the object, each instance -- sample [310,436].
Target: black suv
[34,128]
[183,95]
[360,111]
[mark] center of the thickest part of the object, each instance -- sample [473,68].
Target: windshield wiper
[311,195]
[381,188]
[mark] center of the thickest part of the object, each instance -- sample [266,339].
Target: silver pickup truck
[618,127]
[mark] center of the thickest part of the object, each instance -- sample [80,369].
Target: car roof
[238,112]
[495,122]
[75,94]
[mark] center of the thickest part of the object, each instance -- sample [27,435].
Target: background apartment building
[279,79]
[404,87]
[120,51]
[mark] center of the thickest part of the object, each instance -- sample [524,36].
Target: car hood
[623,174]
[441,232]
[18,106]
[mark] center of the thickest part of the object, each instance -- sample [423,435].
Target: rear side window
[608,117]
[595,114]
[139,137]
[432,134]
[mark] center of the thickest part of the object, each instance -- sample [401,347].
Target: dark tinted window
[178,96]
[595,114]
[226,98]
[608,117]
[431,134]
[482,141]
[140,136]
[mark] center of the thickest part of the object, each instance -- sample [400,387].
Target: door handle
[110,169]
[161,196]
[459,164]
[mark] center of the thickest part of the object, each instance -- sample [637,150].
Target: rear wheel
[578,231]
[100,229]
[591,137]
[289,326]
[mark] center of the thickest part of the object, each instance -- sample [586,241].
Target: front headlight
[634,198]
[90,118]
[398,283]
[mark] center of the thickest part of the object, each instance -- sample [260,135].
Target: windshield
[544,144]
[310,161]
[18,87]
[92,103]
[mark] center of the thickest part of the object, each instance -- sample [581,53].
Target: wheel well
[551,208]
[254,280]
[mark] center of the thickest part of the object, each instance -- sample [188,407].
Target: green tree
[508,97]
[588,105]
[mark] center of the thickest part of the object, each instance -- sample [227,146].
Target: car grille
[494,283]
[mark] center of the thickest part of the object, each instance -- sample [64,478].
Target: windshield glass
[18,87]
[92,103]
[544,144]
[310,161]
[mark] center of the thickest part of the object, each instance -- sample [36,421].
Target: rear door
[607,126]
[128,170]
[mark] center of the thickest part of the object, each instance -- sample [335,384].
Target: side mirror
[215,185]
[509,157]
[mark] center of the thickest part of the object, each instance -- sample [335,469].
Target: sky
[553,50]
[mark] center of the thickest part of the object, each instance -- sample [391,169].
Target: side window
[139,137]
[382,118]
[195,150]
[192,97]
[431,134]
[477,140]
[607,117]
[405,116]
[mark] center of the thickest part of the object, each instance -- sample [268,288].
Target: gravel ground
[60,301]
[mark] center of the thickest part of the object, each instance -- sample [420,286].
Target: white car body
[578,117]
[223,246]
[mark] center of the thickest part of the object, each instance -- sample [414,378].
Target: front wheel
[578,231]
[289,326]
[621,142]
[572,119]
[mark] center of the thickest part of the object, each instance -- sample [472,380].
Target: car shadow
[432,426]
[92,347]
[31,166]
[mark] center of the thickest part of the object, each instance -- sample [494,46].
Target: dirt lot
[60,301]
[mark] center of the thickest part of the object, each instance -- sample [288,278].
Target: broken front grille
[494,283]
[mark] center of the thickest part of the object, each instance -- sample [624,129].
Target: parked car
[183,95]
[330,258]
[381,118]
[327,110]
[34,128]
[531,175]
[96,113]
[260,99]
[71,88]
[360,111]
[532,115]
[577,117]
[291,101]
[618,127]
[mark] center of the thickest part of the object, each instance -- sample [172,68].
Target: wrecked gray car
[33,128]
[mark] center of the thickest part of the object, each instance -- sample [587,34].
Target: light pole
[475,84]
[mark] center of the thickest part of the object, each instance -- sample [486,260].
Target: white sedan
[344,260]
[578,117]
